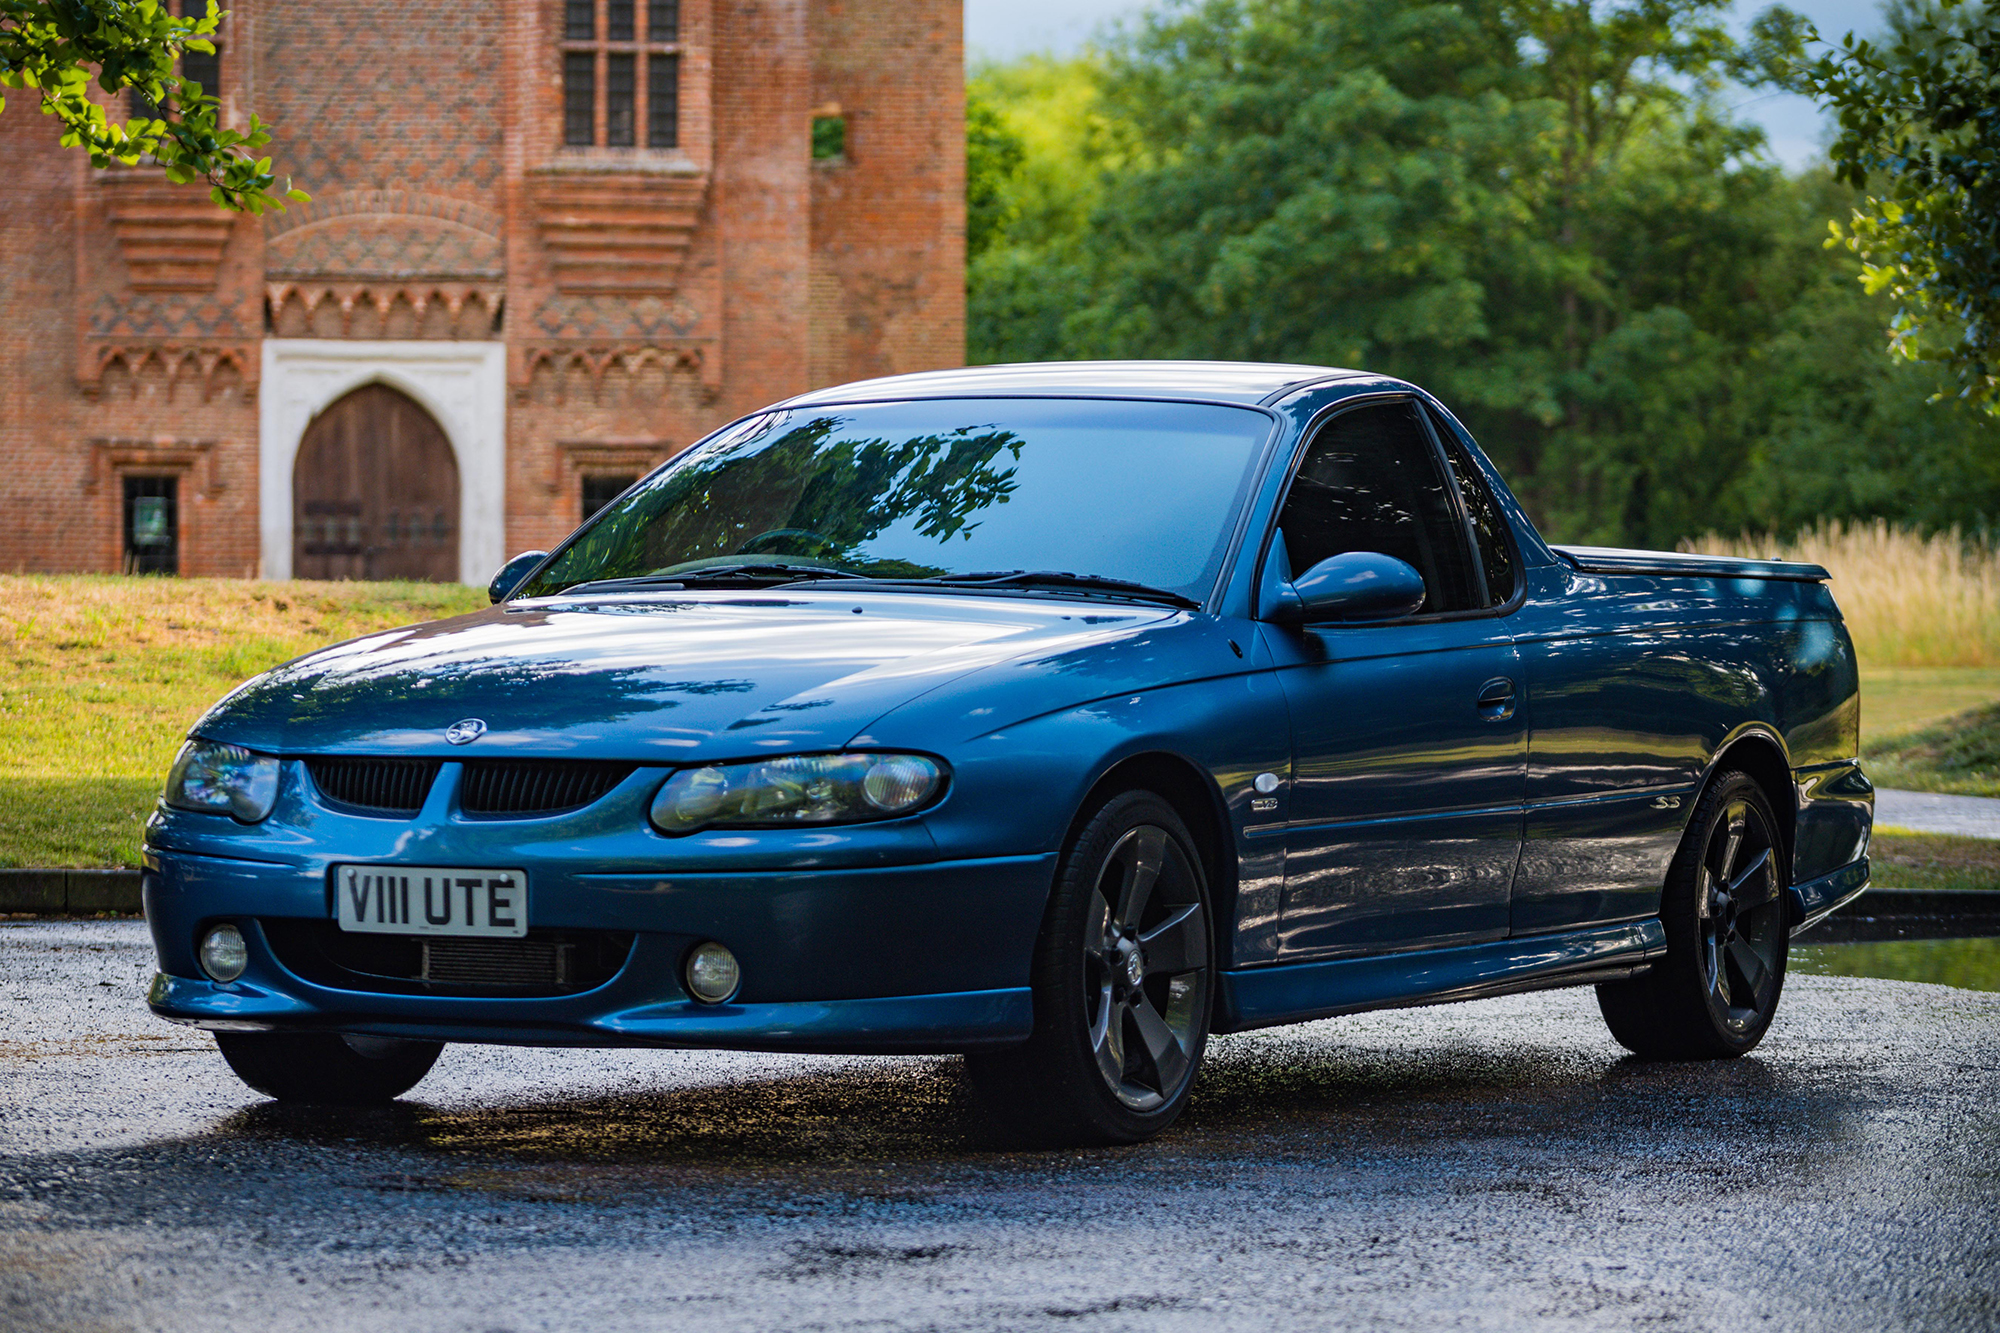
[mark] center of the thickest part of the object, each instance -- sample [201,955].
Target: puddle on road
[1972,964]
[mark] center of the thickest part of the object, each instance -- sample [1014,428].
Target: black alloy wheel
[1145,959]
[1122,985]
[1728,936]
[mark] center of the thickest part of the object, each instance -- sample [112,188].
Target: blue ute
[1059,715]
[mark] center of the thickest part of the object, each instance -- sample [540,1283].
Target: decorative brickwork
[180,367]
[619,298]
[385,245]
[171,237]
[574,460]
[330,204]
[317,308]
[616,231]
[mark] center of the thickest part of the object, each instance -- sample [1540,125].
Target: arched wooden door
[375,493]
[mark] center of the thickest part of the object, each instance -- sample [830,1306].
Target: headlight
[798,789]
[223,780]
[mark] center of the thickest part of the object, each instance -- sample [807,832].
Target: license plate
[432,900]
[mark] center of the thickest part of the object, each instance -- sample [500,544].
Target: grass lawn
[1932,730]
[100,677]
[1898,700]
[1900,859]
[1959,755]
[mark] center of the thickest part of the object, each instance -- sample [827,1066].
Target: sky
[1000,29]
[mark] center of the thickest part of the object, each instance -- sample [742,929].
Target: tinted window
[1371,482]
[1142,491]
[1489,525]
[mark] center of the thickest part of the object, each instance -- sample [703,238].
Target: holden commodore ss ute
[1059,716]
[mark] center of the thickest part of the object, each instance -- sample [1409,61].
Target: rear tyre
[327,1067]
[1122,984]
[1728,936]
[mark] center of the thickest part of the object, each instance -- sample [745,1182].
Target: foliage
[100,677]
[829,138]
[1032,269]
[1920,122]
[50,47]
[1536,208]
[993,154]
[1959,755]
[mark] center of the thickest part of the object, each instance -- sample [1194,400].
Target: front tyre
[328,1068]
[1728,936]
[1122,984]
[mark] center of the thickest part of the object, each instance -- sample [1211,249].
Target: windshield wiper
[1060,579]
[778,573]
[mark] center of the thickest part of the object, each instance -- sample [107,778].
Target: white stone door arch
[462,384]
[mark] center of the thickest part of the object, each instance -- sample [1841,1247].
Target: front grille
[543,962]
[536,786]
[524,962]
[377,786]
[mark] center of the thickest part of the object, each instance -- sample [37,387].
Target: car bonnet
[654,678]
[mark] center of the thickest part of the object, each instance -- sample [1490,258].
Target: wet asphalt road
[1492,1165]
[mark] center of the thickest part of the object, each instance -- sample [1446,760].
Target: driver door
[1409,749]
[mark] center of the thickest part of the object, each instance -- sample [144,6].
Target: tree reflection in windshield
[1135,490]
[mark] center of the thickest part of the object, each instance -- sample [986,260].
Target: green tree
[1920,123]
[1029,270]
[993,157]
[56,49]
[1851,433]
[1532,206]
[1537,209]
[1307,180]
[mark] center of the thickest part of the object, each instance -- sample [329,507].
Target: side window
[1371,482]
[1489,525]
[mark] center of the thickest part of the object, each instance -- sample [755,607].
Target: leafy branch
[52,47]
[1920,131]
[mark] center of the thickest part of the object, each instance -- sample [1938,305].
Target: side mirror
[511,574]
[1358,585]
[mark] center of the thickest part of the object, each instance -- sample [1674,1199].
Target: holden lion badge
[465,732]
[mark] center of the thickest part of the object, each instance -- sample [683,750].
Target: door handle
[1496,699]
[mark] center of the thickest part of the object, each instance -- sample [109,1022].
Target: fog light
[712,973]
[224,955]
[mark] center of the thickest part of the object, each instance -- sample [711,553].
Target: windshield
[1144,492]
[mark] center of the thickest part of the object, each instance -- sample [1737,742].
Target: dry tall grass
[1910,600]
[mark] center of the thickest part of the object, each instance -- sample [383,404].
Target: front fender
[1020,787]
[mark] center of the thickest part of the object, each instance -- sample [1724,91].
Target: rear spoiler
[1611,560]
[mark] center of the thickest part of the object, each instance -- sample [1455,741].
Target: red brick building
[550,243]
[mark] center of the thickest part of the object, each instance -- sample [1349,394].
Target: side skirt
[1293,993]
[1817,899]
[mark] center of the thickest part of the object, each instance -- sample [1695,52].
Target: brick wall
[888,216]
[42,502]
[644,296]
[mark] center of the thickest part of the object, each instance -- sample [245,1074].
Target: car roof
[1215,381]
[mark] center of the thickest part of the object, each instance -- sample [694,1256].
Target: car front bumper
[912,958]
